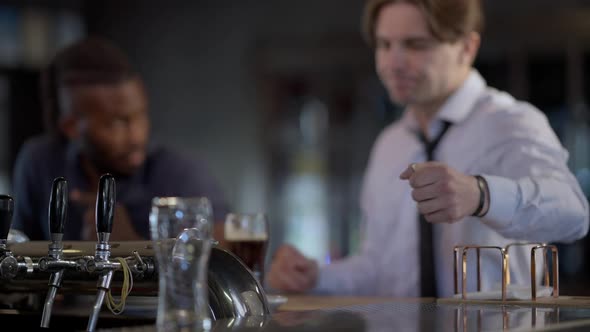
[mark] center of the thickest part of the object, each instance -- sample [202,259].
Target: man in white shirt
[500,174]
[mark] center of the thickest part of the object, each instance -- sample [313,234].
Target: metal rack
[505,266]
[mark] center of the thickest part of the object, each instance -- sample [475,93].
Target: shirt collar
[460,104]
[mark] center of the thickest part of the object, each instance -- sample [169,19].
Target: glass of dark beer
[247,236]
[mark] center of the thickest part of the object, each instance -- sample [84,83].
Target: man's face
[413,65]
[113,125]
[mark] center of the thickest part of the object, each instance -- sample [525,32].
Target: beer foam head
[245,227]
[239,236]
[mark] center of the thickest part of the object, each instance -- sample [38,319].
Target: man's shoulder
[505,116]
[42,142]
[503,101]
[502,108]
[41,147]
[39,158]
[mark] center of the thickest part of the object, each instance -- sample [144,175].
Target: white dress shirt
[533,196]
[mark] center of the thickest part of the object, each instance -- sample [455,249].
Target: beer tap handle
[105,205]
[105,212]
[58,208]
[6,210]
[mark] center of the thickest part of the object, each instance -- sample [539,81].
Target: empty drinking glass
[181,234]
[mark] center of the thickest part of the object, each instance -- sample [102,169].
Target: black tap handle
[58,206]
[105,204]
[6,210]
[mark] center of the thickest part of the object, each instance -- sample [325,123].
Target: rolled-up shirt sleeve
[533,194]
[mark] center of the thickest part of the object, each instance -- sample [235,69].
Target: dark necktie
[427,275]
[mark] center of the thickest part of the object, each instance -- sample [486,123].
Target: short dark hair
[448,20]
[92,60]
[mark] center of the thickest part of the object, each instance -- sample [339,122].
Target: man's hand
[291,272]
[443,194]
[123,229]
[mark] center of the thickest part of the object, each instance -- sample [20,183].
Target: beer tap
[58,208]
[8,263]
[105,210]
[10,266]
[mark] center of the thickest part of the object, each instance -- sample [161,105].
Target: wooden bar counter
[315,302]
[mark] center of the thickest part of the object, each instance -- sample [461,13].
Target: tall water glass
[181,234]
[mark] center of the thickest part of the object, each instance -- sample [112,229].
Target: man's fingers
[426,176]
[432,205]
[287,275]
[407,173]
[442,193]
[284,282]
[425,193]
[303,264]
[291,271]
[423,174]
[292,281]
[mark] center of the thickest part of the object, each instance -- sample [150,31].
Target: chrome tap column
[53,263]
[105,212]
[8,264]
